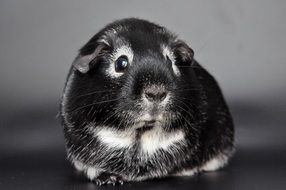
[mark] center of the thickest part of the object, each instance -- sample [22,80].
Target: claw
[120,182]
[106,178]
[98,182]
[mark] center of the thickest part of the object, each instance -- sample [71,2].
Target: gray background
[242,43]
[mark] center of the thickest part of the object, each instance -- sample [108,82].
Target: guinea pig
[138,106]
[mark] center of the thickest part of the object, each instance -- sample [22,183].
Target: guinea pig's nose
[155,94]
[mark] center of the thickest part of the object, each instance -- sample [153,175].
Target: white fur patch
[215,163]
[91,172]
[156,139]
[104,41]
[114,138]
[168,53]
[151,140]
[79,165]
[189,172]
[123,50]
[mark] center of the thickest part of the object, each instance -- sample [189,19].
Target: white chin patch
[168,53]
[123,50]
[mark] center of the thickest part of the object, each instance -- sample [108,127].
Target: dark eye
[121,64]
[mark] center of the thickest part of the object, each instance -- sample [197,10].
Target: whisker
[187,105]
[94,92]
[188,89]
[192,66]
[186,120]
[187,112]
[208,39]
[116,111]
[181,98]
[105,101]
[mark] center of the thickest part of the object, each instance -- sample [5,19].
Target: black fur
[92,98]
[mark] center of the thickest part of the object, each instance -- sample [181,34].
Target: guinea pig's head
[131,74]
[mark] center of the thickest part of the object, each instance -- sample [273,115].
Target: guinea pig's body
[137,106]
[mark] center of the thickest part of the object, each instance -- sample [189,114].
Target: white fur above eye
[103,40]
[168,53]
[123,50]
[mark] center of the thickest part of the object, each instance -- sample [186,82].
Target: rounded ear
[182,52]
[87,55]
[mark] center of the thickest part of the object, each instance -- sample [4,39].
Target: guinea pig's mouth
[147,125]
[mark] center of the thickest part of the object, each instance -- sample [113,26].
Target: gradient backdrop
[242,43]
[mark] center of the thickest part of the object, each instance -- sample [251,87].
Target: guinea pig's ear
[183,53]
[88,55]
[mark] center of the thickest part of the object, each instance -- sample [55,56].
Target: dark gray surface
[33,155]
[242,43]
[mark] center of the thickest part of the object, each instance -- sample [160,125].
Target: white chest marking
[150,141]
[114,138]
[156,139]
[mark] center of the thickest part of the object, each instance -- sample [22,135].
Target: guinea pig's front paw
[108,178]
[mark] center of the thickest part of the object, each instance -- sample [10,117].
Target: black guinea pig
[138,106]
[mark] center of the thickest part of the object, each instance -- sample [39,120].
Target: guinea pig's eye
[121,64]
